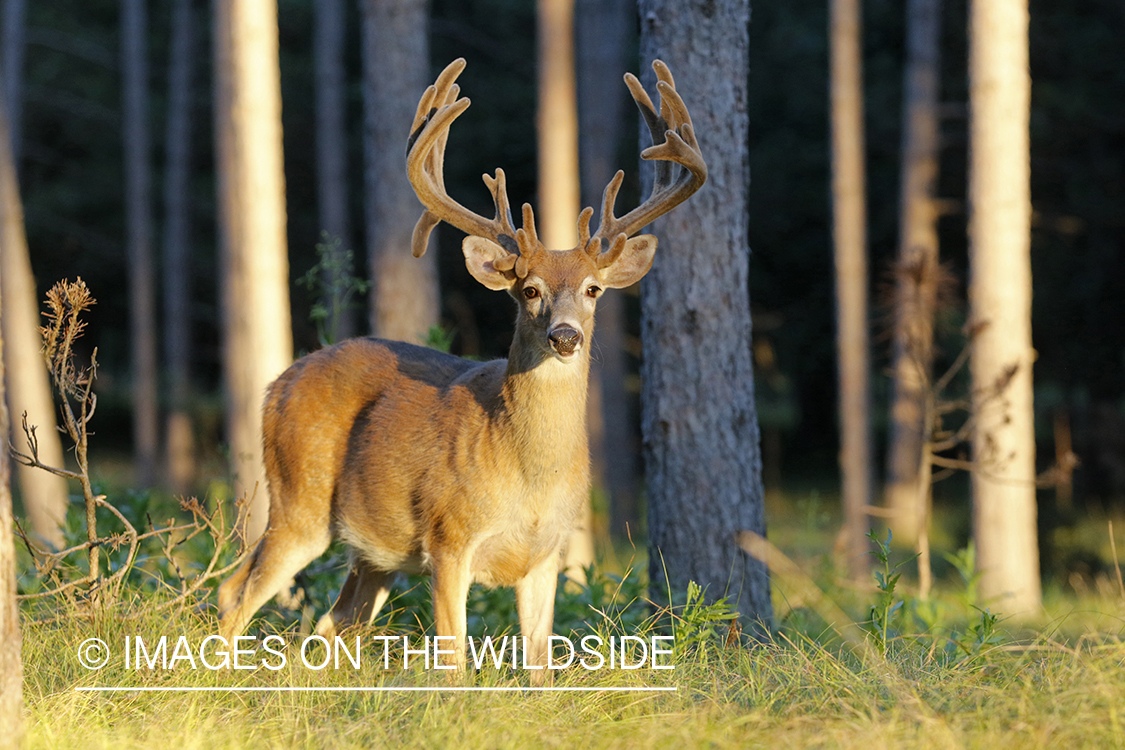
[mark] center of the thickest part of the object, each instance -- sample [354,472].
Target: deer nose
[565,340]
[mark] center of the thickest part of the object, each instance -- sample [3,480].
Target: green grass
[941,673]
[789,692]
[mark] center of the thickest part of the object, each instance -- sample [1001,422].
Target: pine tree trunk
[396,70]
[332,147]
[257,336]
[849,234]
[1004,509]
[44,495]
[557,213]
[916,283]
[701,445]
[11,665]
[138,217]
[179,441]
[602,38]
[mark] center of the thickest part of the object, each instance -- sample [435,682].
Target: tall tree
[332,148]
[138,217]
[1004,510]
[603,28]
[44,495]
[11,665]
[849,236]
[700,427]
[179,443]
[916,280]
[557,129]
[257,331]
[15,36]
[396,68]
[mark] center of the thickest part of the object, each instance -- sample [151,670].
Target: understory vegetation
[844,665]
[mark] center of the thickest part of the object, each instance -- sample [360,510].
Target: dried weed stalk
[66,303]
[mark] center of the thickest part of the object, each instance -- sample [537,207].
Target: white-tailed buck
[423,462]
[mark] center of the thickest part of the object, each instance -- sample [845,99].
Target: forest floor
[902,672]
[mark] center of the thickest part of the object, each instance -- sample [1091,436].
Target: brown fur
[427,463]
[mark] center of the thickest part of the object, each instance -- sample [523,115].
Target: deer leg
[280,555]
[363,594]
[535,602]
[450,585]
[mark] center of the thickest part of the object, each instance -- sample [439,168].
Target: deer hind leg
[281,554]
[363,594]
[535,602]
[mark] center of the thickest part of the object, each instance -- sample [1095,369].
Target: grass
[789,692]
[941,673]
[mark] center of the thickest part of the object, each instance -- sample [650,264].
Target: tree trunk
[138,217]
[11,665]
[701,445]
[557,216]
[1000,300]
[332,149]
[849,234]
[44,495]
[15,33]
[603,27]
[179,442]
[257,336]
[396,70]
[916,282]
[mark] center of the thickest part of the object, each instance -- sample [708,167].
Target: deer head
[556,289]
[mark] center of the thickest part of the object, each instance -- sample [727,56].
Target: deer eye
[593,291]
[530,292]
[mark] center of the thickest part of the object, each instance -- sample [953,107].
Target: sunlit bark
[849,234]
[257,332]
[44,495]
[1004,509]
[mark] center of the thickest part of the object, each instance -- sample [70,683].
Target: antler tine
[498,186]
[584,228]
[680,169]
[425,159]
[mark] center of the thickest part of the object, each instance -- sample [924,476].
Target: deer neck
[545,400]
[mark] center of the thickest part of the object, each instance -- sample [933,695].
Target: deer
[422,462]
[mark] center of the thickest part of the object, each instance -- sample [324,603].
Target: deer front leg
[450,585]
[535,601]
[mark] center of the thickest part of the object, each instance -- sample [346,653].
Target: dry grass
[792,692]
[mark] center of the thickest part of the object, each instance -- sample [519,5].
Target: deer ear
[633,262]
[480,256]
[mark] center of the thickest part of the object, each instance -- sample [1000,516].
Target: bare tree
[15,33]
[11,665]
[332,150]
[557,128]
[257,332]
[138,217]
[404,295]
[849,235]
[602,39]
[44,496]
[700,427]
[1004,509]
[179,443]
[917,277]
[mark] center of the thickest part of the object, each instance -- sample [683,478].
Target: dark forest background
[72,183]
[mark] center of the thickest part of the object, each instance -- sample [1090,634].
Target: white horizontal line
[507,689]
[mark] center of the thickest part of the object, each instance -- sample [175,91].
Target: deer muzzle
[565,340]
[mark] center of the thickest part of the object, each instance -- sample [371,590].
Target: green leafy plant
[696,627]
[333,280]
[887,606]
